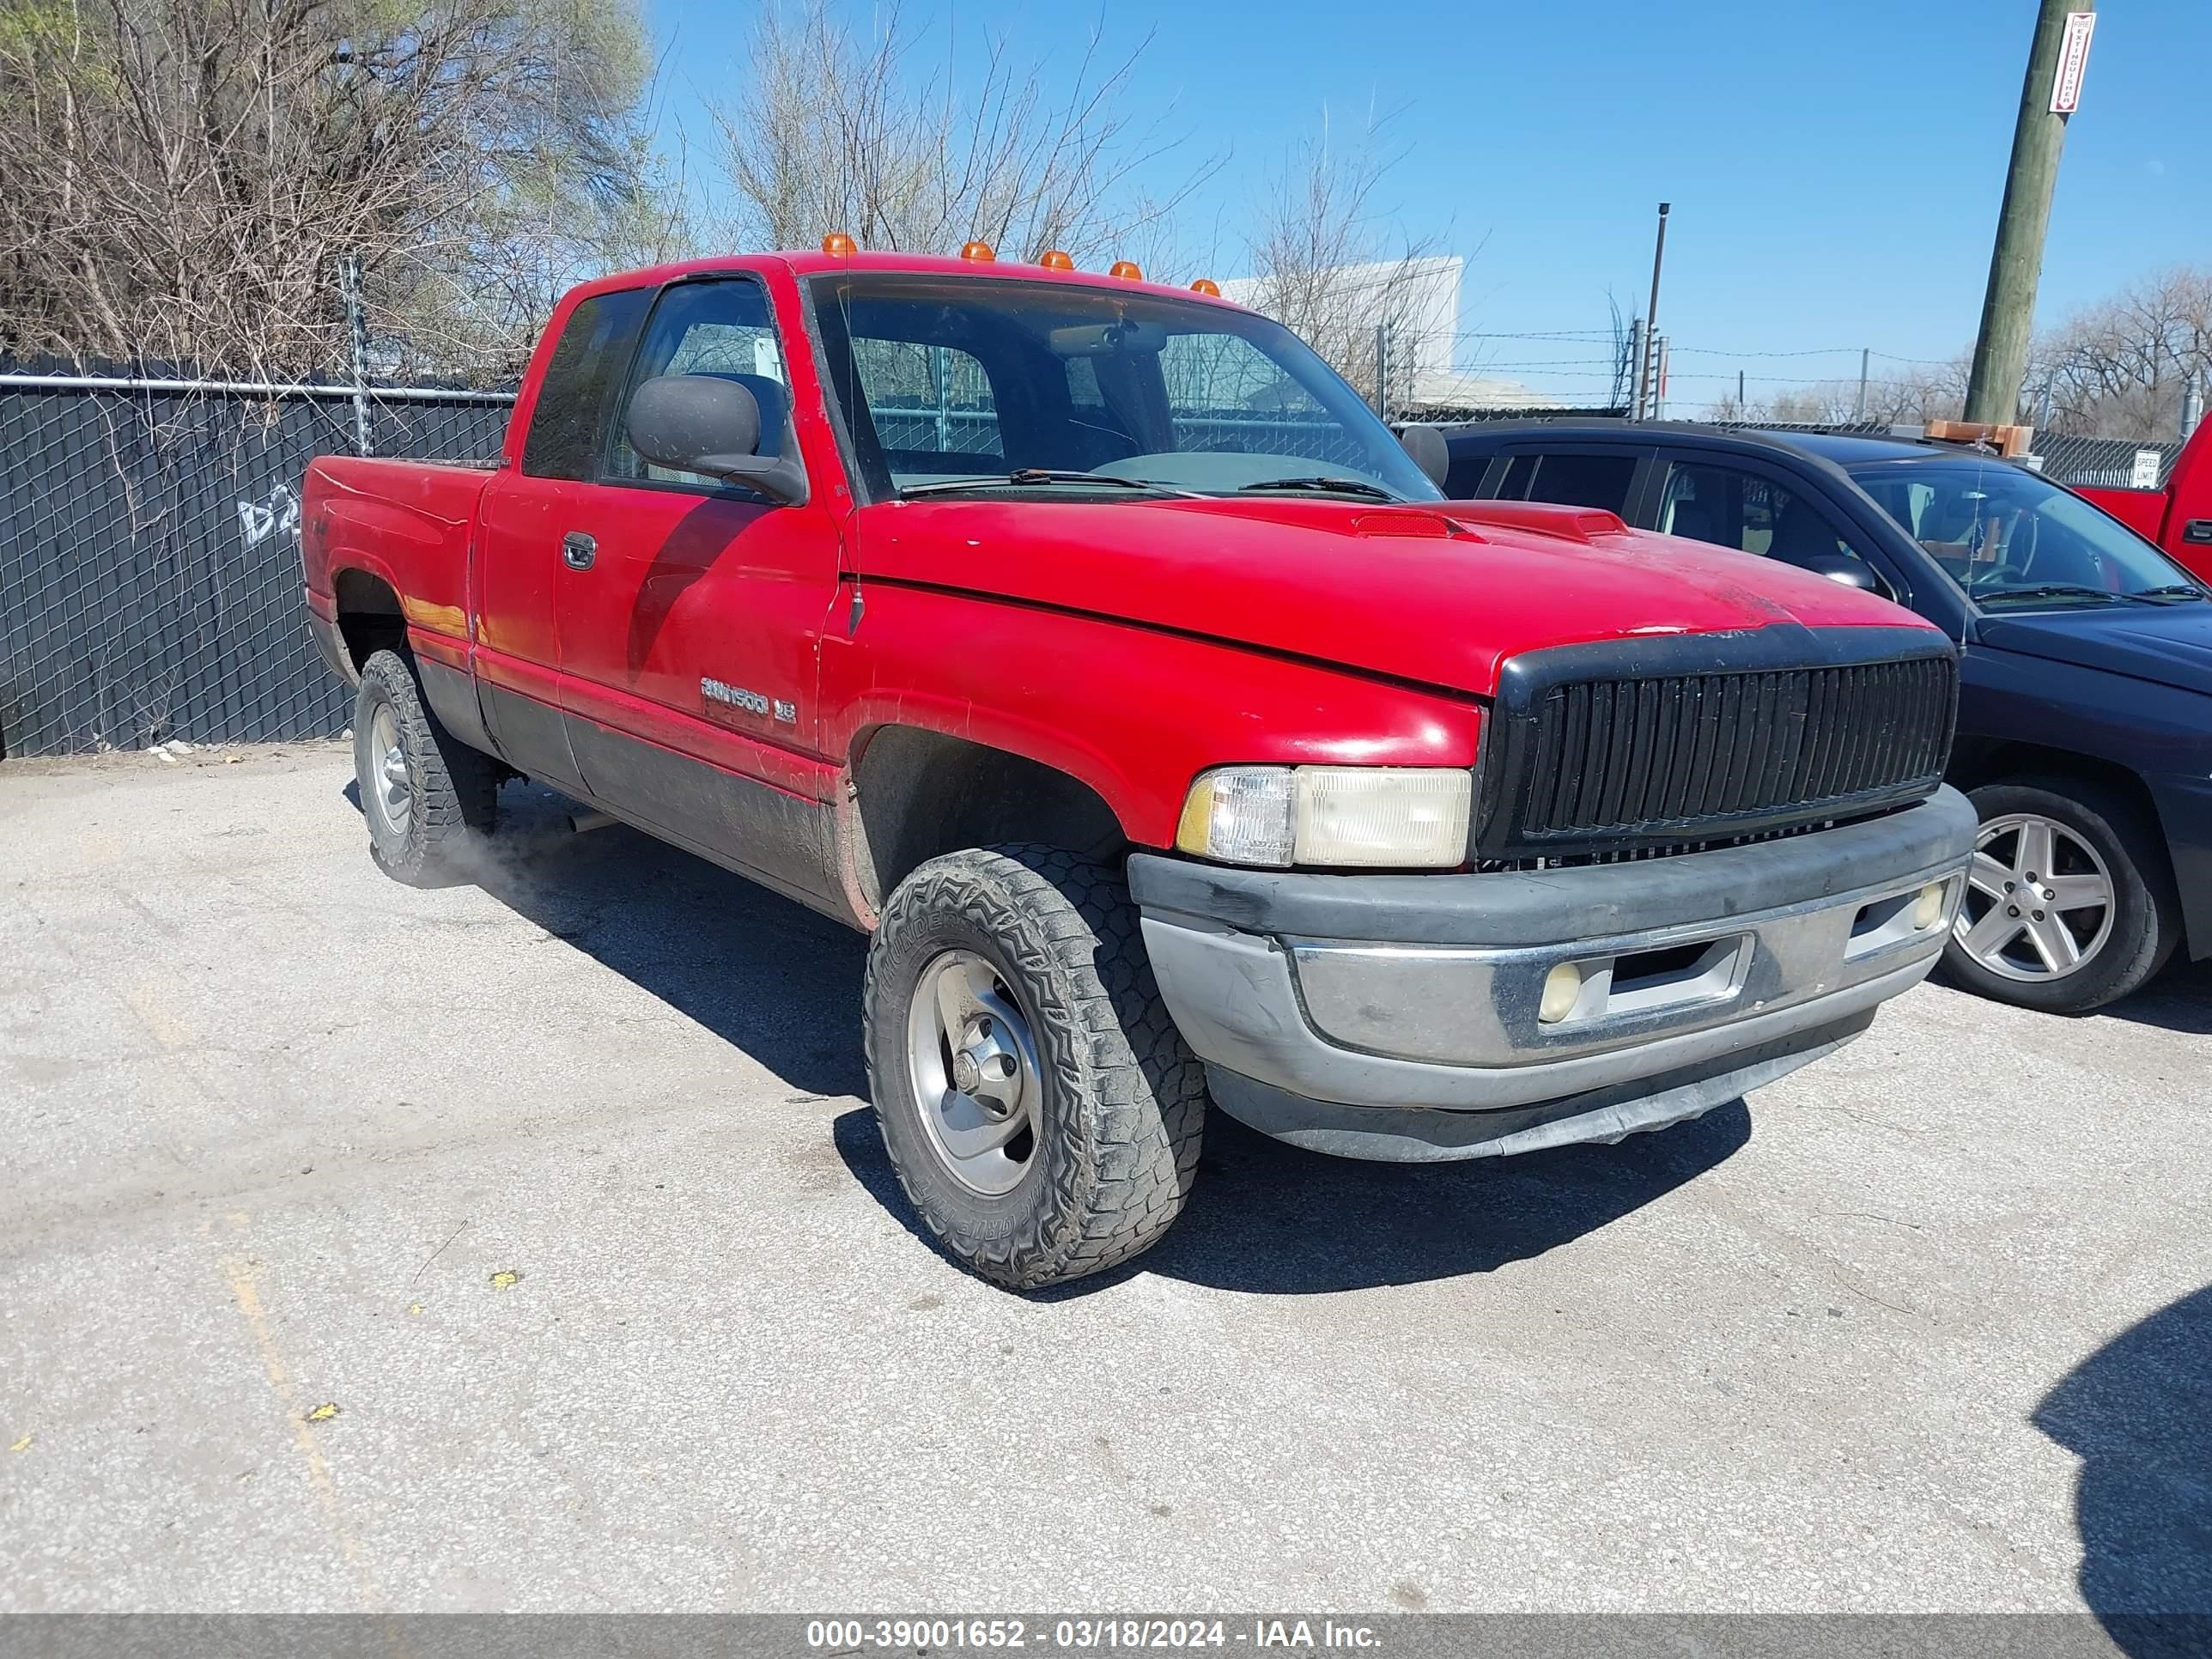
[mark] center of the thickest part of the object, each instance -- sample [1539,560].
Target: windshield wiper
[1324,486]
[1026,476]
[2056,591]
[2172,591]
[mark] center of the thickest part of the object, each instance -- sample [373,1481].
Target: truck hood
[2168,645]
[1439,593]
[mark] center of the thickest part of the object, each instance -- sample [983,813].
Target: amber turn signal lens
[1052,260]
[1206,286]
[982,253]
[838,246]
[1127,270]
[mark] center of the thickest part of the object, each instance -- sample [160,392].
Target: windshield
[2013,540]
[945,381]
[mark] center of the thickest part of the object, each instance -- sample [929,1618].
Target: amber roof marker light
[982,253]
[839,246]
[1206,286]
[1127,269]
[1052,260]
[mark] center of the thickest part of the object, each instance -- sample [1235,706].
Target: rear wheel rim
[2040,901]
[391,789]
[973,1069]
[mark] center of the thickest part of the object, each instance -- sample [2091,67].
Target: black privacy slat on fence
[1672,759]
[150,564]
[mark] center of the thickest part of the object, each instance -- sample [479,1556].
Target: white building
[1423,296]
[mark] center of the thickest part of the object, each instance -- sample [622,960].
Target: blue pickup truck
[2085,714]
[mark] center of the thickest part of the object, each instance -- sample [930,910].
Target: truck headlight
[1348,816]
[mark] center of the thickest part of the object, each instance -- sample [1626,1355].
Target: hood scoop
[1573,524]
[1410,521]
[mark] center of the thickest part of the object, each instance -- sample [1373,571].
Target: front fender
[1134,713]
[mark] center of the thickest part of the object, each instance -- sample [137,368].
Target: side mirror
[1429,451]
[704,423]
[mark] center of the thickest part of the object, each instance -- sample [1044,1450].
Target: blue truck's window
[567,424]
[1731,507]
[1571,480]
[721,328]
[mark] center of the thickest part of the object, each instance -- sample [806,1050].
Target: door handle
[2197,530]
[578,550]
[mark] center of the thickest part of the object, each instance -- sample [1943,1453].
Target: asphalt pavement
[528,1243]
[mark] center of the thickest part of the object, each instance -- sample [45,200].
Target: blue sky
[1834,168]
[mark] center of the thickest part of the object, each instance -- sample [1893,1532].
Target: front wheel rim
[390,788]
[2040,901]
[973,1070]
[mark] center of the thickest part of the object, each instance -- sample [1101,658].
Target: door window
[718,328]
[1589,480]
[578,383]
[1753,513]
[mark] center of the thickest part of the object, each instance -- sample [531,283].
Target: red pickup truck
[1091,645]
[2179,517]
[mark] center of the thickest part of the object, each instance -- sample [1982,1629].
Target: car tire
[1008,995]
[424,793]
[2097,832]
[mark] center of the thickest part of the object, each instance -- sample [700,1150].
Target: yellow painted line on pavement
[245,1292]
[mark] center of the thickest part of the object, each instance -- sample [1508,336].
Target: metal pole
[940,390]
[349,284]
[1383,370]
[1635,355]
[2016,263]
[1651,316]
[1739,391]
[1864,351]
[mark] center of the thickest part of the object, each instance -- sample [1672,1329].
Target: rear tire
[1038,1104]
[425,794]
[2096,834]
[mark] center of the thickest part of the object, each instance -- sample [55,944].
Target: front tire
[424,793]
[2069,900]
[1038,1104]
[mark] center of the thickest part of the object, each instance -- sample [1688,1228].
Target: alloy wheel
[2039,901]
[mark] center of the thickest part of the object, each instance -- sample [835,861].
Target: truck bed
[409,524]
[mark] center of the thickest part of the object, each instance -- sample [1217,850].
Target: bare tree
[831,128]
[1927,393]
[184,175]
[2118,369]
[1326,263]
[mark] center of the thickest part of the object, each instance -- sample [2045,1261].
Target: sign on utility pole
[2073,60]
[2049,94]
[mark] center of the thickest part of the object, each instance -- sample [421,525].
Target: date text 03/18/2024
[1086,1635]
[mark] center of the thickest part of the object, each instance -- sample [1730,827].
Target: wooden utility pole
[2047,97]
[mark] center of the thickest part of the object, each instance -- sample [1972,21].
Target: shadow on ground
[2179,999]
[759,971]
[784,985]
[1270,1219]
[2138,1413]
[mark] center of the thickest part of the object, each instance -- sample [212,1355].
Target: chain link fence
[2082,463]
[149,564]
[149,577]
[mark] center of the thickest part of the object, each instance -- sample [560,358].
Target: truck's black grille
[1590,763]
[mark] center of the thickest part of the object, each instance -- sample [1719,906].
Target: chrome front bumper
[1353,1014]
